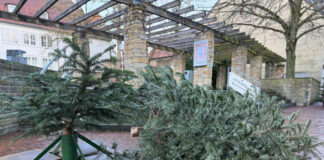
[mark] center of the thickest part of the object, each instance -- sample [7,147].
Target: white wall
[38,51]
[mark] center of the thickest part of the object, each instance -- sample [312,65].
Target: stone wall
[302,91]
[203,74]
[177,63]
[8,121]
[135,47]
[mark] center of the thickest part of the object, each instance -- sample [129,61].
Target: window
[49,41]
[33,40]
[43,40]
[46,41]
[45,62]
[10,36]
[34,61]
[28,61]
[29,39]
[26,39]
[44,15]
[11,7]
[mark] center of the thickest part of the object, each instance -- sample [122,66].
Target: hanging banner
[200,53]
[241,85]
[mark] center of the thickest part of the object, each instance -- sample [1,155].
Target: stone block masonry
[302,91]
[176,62]
[136,58]
[203,75]
[256,67]
[8,120]
[239,59]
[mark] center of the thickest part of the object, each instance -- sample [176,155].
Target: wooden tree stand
[70,147]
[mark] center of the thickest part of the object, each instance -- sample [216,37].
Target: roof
[32,6]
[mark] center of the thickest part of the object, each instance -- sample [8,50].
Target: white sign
[241,85]
[200,53]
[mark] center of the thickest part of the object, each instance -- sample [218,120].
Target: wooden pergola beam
[186,32]
[179,12]
[176,28]
[170,23]
[19,6]
[179,19]
[107,18]
[170,49]
[191,39]
[70,10]
[171,4]
[111,26]
[48,5]
[59,25]
[94,12]
[167,6]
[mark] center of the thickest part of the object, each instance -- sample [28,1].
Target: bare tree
[291,18]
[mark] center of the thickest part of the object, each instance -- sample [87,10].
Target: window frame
[11,31]
[29,35]
[48,41]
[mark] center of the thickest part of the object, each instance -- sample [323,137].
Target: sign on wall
[200,53]
[241,85]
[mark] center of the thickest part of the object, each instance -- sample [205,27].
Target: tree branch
[252,7]
[261,27]
[310,30]
[309,17]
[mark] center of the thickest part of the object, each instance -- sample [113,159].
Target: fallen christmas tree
[191,122]
[81,100]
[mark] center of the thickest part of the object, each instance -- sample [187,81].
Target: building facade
[38,42]
[309,51]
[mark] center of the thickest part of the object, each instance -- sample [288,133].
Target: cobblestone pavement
[316,114]
[124,141]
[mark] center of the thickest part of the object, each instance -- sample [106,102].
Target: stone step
[286,102]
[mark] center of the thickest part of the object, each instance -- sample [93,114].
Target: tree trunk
[291,59]
[291,37]
[69,146]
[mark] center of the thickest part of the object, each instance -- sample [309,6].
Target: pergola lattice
[176,35]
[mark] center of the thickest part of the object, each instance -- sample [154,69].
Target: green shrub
[191,122]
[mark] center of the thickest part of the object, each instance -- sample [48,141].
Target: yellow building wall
[309,51]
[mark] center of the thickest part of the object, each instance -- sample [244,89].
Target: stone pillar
[279,71]
[203,75]
[135,47]
[178,64]
[221,77]
[269,70]
[239,60]
[256,67]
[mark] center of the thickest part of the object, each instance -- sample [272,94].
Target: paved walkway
[124,141]
[316,114]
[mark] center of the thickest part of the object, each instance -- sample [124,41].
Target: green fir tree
[89,96]
[193,122]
